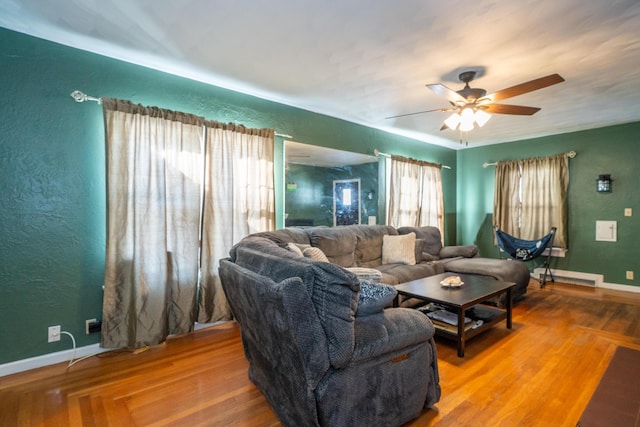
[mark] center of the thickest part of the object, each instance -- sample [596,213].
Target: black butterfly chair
[527,250]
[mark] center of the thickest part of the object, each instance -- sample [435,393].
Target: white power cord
[73,356]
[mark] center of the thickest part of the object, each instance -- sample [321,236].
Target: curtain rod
[82,97]
[571,154]
[378,153]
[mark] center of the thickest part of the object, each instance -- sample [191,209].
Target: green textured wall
[52,170]
[614,150]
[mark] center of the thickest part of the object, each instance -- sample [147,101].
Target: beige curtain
[239,200]
[432,203]
[506,202]
[531,197]
[154,165]
[415,194]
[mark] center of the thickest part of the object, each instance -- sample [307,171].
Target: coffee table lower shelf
[470,330]
[477,290]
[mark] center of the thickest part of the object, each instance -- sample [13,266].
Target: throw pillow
[374,297]
[369,274]
[315,254]
[295,249]
[399,249]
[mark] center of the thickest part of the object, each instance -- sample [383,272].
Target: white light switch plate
[628,211]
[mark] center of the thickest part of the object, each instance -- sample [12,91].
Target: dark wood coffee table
[476,289]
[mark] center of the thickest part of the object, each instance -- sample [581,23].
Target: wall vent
[573,277]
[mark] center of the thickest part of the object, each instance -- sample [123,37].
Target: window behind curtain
[530,197]
[415,194]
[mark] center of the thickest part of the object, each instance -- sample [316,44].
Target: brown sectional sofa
[361,246]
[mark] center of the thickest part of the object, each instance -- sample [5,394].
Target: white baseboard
[617,287]
[49,359]
[586,279]
[66,355]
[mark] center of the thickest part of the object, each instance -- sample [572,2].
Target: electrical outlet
[86,325]
[54,333]
[95,326]
[628,212]
[629,275]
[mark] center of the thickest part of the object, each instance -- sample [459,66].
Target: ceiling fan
[472,106]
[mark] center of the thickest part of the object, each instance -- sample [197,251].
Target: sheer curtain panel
[239,200]
[415,194]
[154,169]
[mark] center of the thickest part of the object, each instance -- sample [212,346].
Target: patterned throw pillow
[374,297]
[399,249]
[315,254]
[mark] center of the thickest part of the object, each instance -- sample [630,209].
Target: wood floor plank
[542,372]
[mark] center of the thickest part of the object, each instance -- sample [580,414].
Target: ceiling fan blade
[526,87]
[420,112]
[518,110]
[453,96]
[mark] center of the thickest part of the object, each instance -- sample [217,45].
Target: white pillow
[295,249]
[315,254]
[399,249]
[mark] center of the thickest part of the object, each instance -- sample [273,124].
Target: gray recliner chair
[321,351]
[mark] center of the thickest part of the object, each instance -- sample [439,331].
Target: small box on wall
[606,231]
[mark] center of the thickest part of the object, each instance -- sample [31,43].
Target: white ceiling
[363,61]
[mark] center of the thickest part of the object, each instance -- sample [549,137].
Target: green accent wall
[52,174]
[613,150]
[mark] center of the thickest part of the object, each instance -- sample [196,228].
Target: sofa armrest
[466,251]
[389,331]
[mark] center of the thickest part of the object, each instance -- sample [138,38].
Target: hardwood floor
[541,373]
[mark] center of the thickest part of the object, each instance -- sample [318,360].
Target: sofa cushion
[405,273]
[285,235]
[399,249]
[431,235]
[374,297]
[369,243]
[337,243]
[426,256]
[333,290]
[265,257]
[466,251]
[335,298]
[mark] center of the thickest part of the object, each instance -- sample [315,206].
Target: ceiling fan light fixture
[467,118]
[453,121]
[481,117]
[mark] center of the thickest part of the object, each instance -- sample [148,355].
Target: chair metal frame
[549,246]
